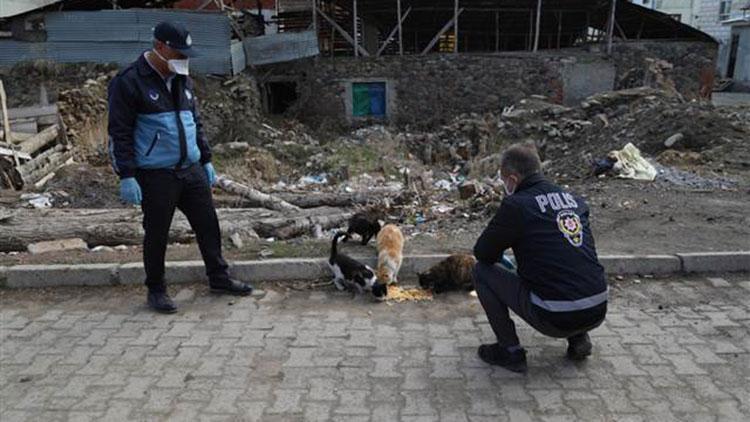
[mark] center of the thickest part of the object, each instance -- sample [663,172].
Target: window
[725,9]
[368,99]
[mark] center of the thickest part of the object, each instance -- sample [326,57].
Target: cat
[390,253]
[450,274]
[348,272]
[365,224]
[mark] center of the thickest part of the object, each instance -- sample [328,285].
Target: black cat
[365,224]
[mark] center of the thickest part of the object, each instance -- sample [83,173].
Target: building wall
[687,9]
[742,68]
[435,88]
[694,65]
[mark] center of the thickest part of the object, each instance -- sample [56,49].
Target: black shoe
[579,347]
[495,355]
[231,287]
[160,302]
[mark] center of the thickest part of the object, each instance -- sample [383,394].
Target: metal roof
[119,36]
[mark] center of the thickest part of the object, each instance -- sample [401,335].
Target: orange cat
[390,253]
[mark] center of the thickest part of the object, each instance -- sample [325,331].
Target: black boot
[494,354]
[579,347]
[161,302]
[231,287]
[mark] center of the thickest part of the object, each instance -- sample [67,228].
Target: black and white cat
[349,273]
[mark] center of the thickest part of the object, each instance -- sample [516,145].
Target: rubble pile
[230,109]
[83,111]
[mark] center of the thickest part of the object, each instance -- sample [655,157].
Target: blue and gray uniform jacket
[548,230]
[151,127]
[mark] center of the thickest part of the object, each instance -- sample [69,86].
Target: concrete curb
[25,276]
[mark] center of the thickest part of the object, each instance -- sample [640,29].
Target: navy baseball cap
[175,36]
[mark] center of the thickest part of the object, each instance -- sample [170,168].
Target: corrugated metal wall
[120,35]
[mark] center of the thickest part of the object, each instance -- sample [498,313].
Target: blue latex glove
[210,173]
[130,191]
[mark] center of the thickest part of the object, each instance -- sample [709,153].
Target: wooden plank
[12,152]
[390,36]
[401,28]
[356,30]
[7,134]
[32,112]
[445,29]
[343,33]
[536,27]
[611,25]
[455,26]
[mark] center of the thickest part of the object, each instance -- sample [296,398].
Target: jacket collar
[144,69]
[530,181]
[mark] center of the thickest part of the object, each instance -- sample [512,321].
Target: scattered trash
[630,164]
[99,249]
[38,201]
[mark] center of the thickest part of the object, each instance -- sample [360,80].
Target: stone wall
[694,65]
[428,90]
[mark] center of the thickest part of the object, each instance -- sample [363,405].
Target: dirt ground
[628,218]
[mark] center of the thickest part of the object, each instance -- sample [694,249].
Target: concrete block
[176,272]
[21,276]
[131,273]
[185,272]
[280,270]
[57,246]
[646,264]
[704,262]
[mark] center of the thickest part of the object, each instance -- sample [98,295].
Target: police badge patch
[570,225]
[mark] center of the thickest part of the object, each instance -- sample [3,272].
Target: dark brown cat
[450,274]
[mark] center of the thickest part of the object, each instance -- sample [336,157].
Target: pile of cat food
[399,294]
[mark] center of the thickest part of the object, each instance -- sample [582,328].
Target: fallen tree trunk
[40,140]
[255,198]
[123,226]
[346,199]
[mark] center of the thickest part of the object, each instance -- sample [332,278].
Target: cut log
[315,199]
[40,140]
[255,198]
[123,226]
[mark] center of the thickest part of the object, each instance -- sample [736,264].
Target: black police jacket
[548,230]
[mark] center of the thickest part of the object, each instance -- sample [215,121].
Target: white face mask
[178,66]
[508,191]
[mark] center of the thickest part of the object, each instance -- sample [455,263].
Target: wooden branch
[393,32]
[255,197]
[343,33]
[445,28]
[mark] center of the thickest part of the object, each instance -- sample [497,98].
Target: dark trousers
[499,290]
[187,190]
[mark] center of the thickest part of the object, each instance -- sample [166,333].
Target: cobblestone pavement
[674,349]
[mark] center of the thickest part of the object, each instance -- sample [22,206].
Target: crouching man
[560,288]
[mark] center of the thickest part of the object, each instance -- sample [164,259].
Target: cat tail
[334,244]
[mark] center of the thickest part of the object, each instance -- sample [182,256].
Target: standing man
[560,288]
[158,148]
